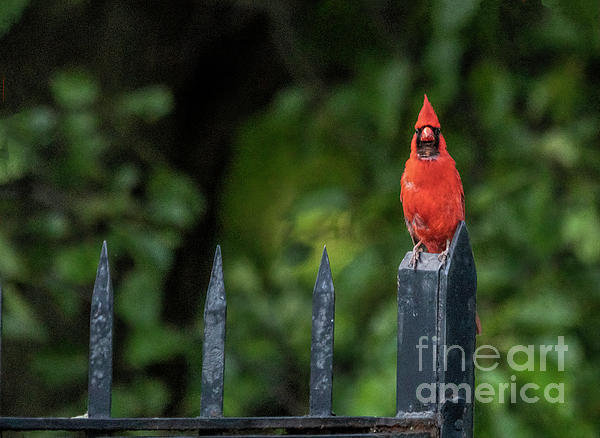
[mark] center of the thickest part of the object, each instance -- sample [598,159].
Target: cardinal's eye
[417,131]
[436,131]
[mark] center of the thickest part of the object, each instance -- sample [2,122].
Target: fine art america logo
[519,358]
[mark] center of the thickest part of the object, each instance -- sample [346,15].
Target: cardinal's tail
[478,323]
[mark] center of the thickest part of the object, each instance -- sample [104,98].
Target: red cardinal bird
[432,194]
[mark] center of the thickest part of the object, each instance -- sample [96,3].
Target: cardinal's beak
[427,134]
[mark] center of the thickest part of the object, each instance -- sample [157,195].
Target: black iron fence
[436,339]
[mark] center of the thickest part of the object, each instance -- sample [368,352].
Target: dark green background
[273,128]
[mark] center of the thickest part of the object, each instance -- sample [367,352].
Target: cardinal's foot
[417,250]
[414,260]
[443,256]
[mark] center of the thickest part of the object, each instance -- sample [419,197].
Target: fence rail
[233,425]
[436,302]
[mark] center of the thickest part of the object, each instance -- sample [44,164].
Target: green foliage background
[516,88]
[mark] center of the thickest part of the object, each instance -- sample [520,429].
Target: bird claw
[414,260]
[417,250]
[443,256]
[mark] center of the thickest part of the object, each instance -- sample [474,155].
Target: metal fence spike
[101,341]
[213,352]
[321,350]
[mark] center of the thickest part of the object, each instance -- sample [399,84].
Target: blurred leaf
[126,178]
[61,369]
[559,146]
[153,344]
[493,93]
[149,104]
[450,16]
[546,309]
[582,231]
[19,320]
[150,250]
[11,264]
[142,398]
[13,156]
[139,298]
[53,225]
[74,89]
[557,93]
[173,198]
[10,12]
[443,59]
[78,264]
